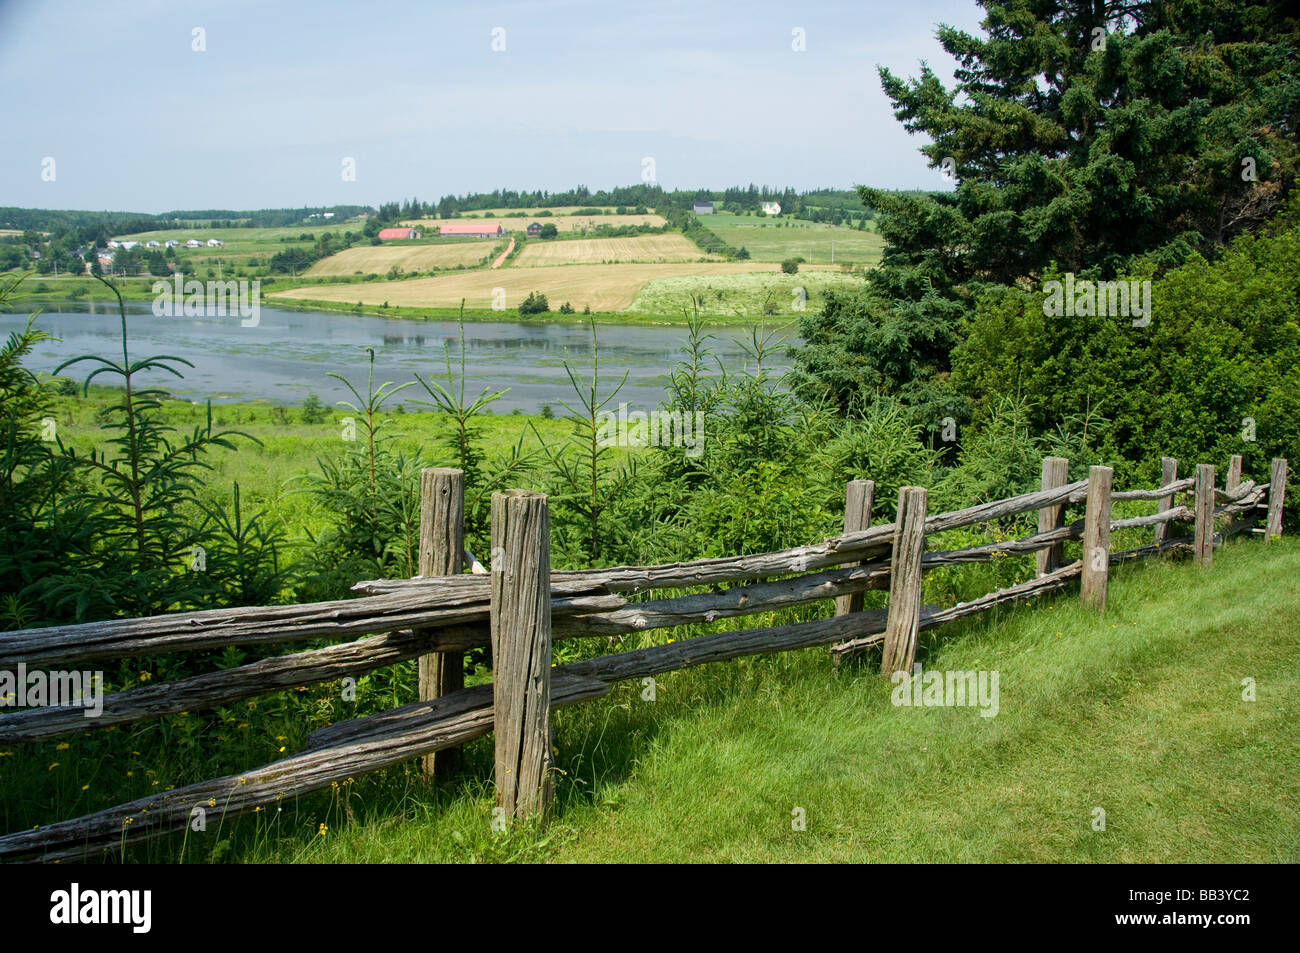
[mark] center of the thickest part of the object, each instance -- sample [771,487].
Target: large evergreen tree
[1080,134]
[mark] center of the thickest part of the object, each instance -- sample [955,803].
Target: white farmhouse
[771,208]
[194,243]
[215,243]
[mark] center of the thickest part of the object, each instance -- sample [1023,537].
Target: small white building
[771,208]
[114,244]
[194,243]
[172,243]
[152,243]
[129,245]
[215,243]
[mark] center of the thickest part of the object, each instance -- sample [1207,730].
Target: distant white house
[129,245]
[328,214]
[215,243]
[771,208]
[152,243]
[194,243]
[703,208]
[114,244]
[172,243]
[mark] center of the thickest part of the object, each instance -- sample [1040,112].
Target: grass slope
[1138,711]
[774,239]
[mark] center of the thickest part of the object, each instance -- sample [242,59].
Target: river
[289,353]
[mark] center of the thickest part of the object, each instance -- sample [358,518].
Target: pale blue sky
[136,120]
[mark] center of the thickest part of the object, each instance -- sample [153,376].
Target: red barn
[399,233]
[471,230]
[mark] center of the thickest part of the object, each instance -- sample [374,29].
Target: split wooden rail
[520,605]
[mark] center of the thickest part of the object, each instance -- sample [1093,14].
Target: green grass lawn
[775,239]
[1138,711]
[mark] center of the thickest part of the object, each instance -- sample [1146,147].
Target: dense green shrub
[1222,350]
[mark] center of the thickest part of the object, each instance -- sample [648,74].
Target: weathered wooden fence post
[1203,541]
[1168,474]
[521,651]
[859,496]
[442,545]
[905,581]
[1096,538]
[1232,524]
[1276,492]
[1056,473]
[1234,473]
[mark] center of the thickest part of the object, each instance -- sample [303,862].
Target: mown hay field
[600,287]
[575,251]
[378,259]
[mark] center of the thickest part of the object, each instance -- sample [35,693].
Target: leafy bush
[1215,373]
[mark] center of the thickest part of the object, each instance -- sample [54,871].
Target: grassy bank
[282,448]
[1138,711]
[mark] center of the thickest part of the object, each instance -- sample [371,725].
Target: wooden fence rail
[520,605]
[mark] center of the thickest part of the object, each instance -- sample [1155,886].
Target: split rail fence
[519,605]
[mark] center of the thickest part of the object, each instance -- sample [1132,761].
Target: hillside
[1138,711]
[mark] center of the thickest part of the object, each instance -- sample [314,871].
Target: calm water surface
[290,352]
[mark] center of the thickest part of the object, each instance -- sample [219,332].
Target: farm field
[562,220]
[643,248]
[241,243]
[378,259]
[600,287]
[775,239]
[754,294]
